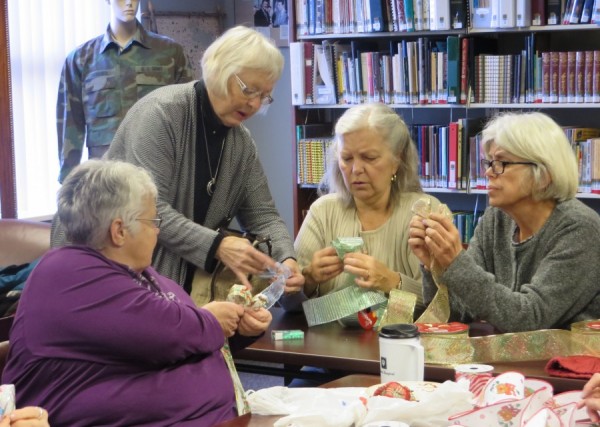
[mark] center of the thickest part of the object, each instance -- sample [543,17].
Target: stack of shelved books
[586,146]
[449,156]
[423,71]
[465,222]
[366,16]
[312,159]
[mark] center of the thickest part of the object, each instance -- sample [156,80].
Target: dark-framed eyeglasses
[156,221]
[252,94]
[499,165]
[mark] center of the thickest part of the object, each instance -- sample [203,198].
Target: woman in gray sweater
[533,260]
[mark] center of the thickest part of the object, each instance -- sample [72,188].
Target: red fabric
[573,366]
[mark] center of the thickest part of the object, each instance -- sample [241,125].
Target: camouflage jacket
[100,82]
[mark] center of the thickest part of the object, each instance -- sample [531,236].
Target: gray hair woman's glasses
[156,221]
[252,94]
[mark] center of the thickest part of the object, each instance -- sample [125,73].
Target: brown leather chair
[22,241]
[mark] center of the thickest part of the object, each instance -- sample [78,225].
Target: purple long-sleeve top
[96,344]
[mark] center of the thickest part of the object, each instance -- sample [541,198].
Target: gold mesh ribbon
[400,308]
[240,395]
[511,347]
[239,295]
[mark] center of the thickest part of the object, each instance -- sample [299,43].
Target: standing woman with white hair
[190,137]
[532,262]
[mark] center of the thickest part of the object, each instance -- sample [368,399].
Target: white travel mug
[401,354]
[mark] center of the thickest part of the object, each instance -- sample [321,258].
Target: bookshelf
[528,42]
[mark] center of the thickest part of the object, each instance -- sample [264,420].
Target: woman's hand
[591,398]
[29,416]
[254,322]
[295,282]
[416,240]
[442,239]
[228,315]
[324,266]
[370,273]
[242,258]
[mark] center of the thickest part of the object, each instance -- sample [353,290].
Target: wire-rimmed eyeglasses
[156,221]
[252,94]
[499,165]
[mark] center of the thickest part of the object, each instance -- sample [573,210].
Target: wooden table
[353,351]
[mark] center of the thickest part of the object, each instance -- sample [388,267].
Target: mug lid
[399,330]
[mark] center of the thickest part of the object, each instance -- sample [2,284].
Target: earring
[393,178]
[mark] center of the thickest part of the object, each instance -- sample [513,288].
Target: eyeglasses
[252,94]
[499,165]
[156,221]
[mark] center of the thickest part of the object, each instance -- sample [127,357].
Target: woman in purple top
[100,338]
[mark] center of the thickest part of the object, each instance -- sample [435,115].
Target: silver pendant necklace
[210,186]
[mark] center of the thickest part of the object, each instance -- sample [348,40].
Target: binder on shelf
[418,14]
[507,13]
[596,12]
[481,16]
[439,15]
[586,12]
[523,10]
[324,89]
[409,14]
[573,11]
[297,71]
[376,18]
[495,12]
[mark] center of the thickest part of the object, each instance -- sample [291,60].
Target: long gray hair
[383,120]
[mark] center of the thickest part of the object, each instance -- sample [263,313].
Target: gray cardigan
[548,281]
[159,134]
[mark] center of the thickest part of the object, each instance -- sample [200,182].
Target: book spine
[546,60]
[579,76]
[571,77]
[562,77]
[409,14]
[596,12]
[588,77]
[464,78]
[554,77]
[596,78]
[453,70]
[586,12]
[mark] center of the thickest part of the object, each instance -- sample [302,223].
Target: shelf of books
[446,66]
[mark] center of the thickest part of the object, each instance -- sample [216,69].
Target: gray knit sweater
[159,134]
[548,281]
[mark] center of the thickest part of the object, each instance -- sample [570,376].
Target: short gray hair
[239,48]
[98,191]
[383,120]
[535,137]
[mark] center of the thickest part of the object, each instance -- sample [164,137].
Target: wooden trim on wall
[8,189]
